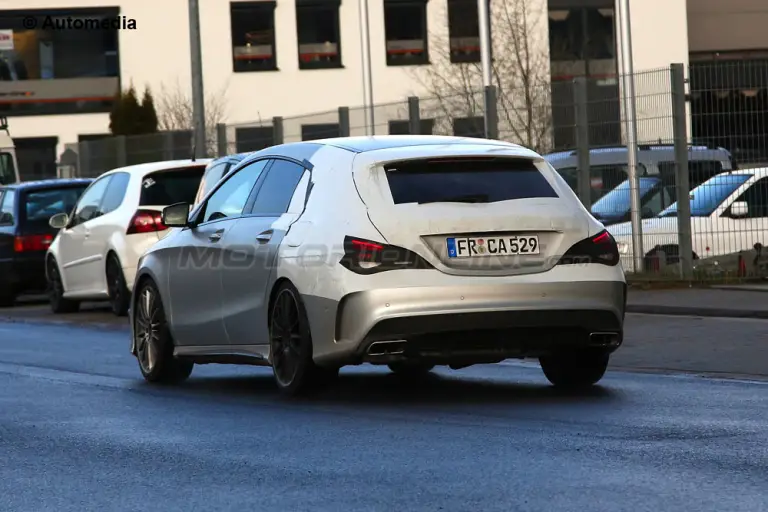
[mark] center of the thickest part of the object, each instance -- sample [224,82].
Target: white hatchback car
[118,217]
[409,251]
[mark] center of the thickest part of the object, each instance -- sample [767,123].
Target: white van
[9,168]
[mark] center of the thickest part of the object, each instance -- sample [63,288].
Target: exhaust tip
[605,339]
[386,348]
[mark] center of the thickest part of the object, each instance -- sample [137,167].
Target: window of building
[253,138]
[405,27]
[317,24]
[469,126]
[253,36]
[55,70]
[319,131]
[463,31]
[398,127]
[582,42]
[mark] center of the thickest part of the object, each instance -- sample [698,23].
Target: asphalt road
[79,430]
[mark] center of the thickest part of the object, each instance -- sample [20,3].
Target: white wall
[723,25]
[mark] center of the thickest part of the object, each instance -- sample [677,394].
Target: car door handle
[216,236]
[264,237]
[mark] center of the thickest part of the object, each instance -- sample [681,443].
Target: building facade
[61,61]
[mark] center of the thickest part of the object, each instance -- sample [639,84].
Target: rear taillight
[146,221]
[368,257]
[600,248]
[32,243]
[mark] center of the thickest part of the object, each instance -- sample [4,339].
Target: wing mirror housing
[176,215]
[59,221]
[739,209]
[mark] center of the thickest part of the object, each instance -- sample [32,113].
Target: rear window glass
[163,188]
[41,205]
[468,181]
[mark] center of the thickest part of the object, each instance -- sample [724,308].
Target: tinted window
[41,205]
[115,192]
[89,206]
[7,170]
[213,176]
[230,198]
[277,191]
[709,195]
[617,201]
[163,188]
[7,213]
[471,181]
[756,198]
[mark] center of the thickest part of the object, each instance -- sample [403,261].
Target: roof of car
[51,183]
[234,158]
[378,142]
[643,149]
[142,169]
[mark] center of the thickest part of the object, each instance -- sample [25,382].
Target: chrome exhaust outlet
[604,339]
[386,348]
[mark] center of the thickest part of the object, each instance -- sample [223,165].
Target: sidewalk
[747,301]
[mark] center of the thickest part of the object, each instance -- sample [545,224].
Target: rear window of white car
[470,180]
[171,186]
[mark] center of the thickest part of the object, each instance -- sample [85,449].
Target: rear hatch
[474,215]
[37,207]
[164,188]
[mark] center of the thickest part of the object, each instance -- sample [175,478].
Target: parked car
[95,253]
[25,234]
[729,213]
[410,251]
[656,171]
[216,170]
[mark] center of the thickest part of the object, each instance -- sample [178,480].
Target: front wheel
[59,304]
[290,343]
[152,338]
[576,371]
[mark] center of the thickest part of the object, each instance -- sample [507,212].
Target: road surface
[79,430]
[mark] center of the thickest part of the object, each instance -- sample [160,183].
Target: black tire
[410,369]
[153,340]
[56,298]
[577,371]
[7,298]
[290,342]
[119,296]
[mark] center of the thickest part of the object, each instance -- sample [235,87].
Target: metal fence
[689,125]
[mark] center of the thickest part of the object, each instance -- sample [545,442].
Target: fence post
[221,139]
[683,188]
[120,153]
[277,130]
[414,116]
[491,114]
[343,121]
[581,116]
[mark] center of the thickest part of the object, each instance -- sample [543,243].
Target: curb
[652,309]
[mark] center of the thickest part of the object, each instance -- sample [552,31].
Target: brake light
[363,256]
[600,248]
[146,221]
[32,243]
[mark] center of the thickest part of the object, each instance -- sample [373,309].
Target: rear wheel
[153,342]
[119,296]
[575,371]
[7,298]
[410,369]
[56,291]
[291,346]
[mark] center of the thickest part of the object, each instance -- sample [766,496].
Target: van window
[164,188]
[7,169]
[466,180]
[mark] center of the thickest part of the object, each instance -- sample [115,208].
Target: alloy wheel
[286,339]
[147,330]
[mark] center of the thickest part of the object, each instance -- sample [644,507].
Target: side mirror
[739,209]
[176,215]
[59,221]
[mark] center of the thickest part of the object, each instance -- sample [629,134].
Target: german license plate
[477,247]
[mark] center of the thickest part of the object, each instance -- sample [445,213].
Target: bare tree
[175,112]
[520,71]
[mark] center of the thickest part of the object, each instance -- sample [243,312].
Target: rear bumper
[24,273]
[484,323]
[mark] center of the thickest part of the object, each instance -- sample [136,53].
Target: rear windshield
[41,205]
[466,181]
[171,186]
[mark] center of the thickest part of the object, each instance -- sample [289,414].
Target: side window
[7,170]
[231,197]
[115,192]
[277,190]
[756,197]
[213,176]
[89,205]
[7,213]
